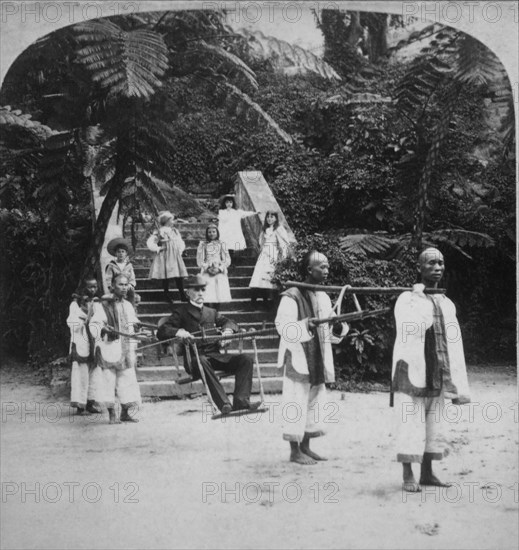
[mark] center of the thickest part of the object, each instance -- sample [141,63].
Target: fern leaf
[366,244]
[283,55]
[128,64]
[242,99]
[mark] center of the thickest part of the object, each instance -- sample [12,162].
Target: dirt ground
[179,480]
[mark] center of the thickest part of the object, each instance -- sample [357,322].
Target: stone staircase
[156,371]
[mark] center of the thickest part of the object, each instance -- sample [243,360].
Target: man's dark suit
[192,318]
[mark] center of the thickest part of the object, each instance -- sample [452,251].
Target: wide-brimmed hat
[116,243]
[165,216]
[195,281]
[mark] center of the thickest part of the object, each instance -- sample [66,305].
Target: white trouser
[124,384]
[419,423]
[85,384]
[302,409]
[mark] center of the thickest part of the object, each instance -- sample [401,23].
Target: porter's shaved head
[431,266]
[425,254]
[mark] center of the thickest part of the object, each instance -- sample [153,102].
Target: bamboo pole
[362,290]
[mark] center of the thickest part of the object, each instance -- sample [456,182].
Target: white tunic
[413,316]
[119,353]
[79,338]
[293,333]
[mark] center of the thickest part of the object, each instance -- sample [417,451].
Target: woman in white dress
[168,245]
[213,260]
[274,248]
[229,224]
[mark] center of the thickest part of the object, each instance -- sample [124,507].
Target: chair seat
[188,379]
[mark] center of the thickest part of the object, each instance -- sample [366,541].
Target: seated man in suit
[190,318]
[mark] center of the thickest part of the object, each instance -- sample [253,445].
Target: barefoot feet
[299,457]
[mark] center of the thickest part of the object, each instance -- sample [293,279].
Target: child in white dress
[229,224]
[274,244]
[213,260]
[168,245]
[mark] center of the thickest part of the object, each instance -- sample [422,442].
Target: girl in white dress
[229,223]
[213,260]
[274,248]
[168,245]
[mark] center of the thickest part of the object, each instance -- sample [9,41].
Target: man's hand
[182,333]
[225,343]
[107,329]
[337,328]
[311,325]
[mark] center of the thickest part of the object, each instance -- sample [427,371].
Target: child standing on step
[213,259]
[274,248]
[229,223]
[120,248]
[168,245]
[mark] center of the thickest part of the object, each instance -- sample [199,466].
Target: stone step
[142,266]
[171,374]
[154,284]
[187,230]
[157,294]
[237,270]
[190,251]
[242,318]
[229,308]
[152,388]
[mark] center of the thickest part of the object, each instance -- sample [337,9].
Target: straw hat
[165,216]
[116,243]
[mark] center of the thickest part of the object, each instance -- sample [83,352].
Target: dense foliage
[384,153]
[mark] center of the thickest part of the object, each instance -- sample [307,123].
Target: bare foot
[409,485]
[112,417]
[311,454]
[300,458]
[128,418]
[434,481]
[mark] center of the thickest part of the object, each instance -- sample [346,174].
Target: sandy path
[178,480]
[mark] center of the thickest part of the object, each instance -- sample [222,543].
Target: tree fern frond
[128,64]
[360,98]
[33,128]
[419,35]
[366,244]
[230,60]
[284,55]
[476,63]
[245,100]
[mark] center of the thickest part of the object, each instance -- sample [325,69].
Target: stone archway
[495,24]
